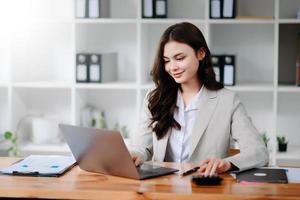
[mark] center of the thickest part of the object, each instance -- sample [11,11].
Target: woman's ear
[201,54]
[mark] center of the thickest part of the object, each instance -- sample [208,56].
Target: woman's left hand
[213,165]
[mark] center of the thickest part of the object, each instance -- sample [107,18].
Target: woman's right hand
[136,159]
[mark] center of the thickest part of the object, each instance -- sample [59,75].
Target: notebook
[263,175]
[40,165]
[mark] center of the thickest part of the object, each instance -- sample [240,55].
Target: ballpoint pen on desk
[190,171]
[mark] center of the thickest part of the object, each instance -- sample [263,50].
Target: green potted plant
[265,138]
[282,143]
[12,148]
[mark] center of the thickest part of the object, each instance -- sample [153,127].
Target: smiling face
[182,62]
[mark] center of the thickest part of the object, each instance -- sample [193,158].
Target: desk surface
[79,184]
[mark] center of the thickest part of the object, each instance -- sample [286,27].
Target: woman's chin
[179,80]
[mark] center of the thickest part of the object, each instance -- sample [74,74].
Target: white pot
[45,131]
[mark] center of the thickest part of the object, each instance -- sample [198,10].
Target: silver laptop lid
[99,150]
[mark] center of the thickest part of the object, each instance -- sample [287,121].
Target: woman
[189,116]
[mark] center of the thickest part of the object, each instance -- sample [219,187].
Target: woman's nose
[173,65]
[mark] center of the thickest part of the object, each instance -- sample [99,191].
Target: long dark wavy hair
[162,100]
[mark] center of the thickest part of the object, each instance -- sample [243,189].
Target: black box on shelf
[82,69]
[108,67]
[154,8]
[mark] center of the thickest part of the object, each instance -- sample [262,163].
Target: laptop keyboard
[146,172]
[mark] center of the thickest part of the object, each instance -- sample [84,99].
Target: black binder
[160,9]
[95,68]
[229,70]
[82,70]
[218,67]
[229,9]
[148,8]
[81,8]
[215,9]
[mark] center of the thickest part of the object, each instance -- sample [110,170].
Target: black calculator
[207,180]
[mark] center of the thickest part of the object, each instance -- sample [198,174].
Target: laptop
[104,151]
[268,175]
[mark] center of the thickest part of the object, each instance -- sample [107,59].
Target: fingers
[137,161]
[208,169]
[204,161]
[211,166]
[203,165]
[214,168]
[202,168]
[135,158]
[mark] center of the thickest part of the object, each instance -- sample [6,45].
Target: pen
[190,171]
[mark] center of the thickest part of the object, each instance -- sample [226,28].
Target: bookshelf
[37,63]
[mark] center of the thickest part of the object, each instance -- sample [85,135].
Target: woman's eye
[180,58]
[166,61]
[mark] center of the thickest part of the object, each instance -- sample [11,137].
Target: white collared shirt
[178,143]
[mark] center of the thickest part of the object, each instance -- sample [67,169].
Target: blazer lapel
[206,107]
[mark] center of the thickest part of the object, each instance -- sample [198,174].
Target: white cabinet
[39,42]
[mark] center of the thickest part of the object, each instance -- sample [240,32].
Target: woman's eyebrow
[178,54]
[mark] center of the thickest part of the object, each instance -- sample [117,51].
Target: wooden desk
[78,184]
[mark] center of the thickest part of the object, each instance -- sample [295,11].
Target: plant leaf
[8,135]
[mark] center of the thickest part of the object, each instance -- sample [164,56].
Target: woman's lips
[177,75]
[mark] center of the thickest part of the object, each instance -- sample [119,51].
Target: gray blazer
[220,116]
